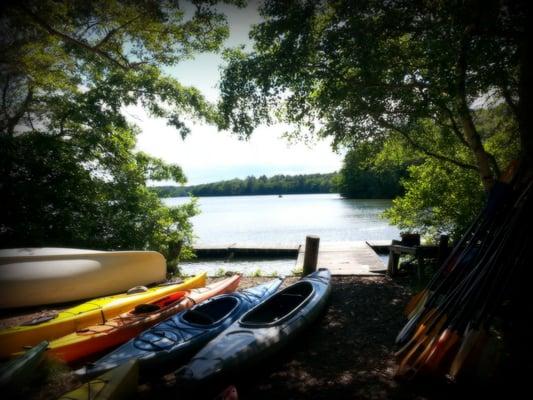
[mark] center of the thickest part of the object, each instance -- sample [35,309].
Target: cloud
[208,155]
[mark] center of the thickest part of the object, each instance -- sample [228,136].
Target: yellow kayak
[119,383]
[97,311]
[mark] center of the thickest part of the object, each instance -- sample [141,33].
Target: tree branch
[509,100]
[113,31]
[51,30]
[471,134]
[421,148]
[454,126]
[4,95]
[13,121]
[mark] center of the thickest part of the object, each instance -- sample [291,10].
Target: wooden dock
[247,250]
[341,258]
[346,258]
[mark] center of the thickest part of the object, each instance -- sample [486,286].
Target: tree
[363,70]
[361,177]
[70,174]
[442,197]
[277,184]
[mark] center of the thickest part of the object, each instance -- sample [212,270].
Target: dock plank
[346,258]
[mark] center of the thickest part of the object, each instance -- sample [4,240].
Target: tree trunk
[476,146]
[525,89]
[471,134]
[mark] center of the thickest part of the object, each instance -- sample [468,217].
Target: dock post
[443,248]
[311,254]
[394,260]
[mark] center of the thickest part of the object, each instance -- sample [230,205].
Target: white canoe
[38,276]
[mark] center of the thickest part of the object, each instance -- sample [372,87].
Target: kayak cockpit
[280,305]
[211,312]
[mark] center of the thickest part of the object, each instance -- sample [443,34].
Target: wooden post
[311,254]
[394,259]
[410,239]
[443,248]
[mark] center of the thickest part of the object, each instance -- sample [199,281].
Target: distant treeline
[278,184]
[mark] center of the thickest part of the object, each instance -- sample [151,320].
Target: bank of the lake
[271,220]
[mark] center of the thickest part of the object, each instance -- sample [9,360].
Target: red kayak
[95,339]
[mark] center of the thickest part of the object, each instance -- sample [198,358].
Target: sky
[208,155]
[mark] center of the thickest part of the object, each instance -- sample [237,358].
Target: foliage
[438,199]
[444,198]
[377,70]
[360,177]
[220,272]
[278,184]
[70,173]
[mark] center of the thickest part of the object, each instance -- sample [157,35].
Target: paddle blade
[410,363]
[473,341]
[442,352]
[415,302]
[404,369]
[413,325]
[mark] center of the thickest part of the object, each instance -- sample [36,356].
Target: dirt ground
[347,354]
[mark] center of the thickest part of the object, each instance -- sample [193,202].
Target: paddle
[498,195]
[431,349]
[441,354]
[491,289]
[476,337]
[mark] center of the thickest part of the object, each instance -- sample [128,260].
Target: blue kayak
[172,342]
[259,333]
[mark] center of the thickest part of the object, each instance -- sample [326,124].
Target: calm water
[273,220]
[288,219]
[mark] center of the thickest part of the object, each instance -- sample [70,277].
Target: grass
[297,271]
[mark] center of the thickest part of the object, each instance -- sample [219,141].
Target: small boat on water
[115,331]
[39,276]
[172,342]
[19,371]
[97,311]
[261,332]
[119,383]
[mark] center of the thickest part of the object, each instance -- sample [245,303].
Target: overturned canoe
[20,370]
[38,276]
[260,332]
[115,331]
[119,383]
[97,311]
[173,341]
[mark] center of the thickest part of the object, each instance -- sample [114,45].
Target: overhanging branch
[424,150]
[51,30]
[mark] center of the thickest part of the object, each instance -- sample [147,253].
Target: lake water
[288,219]
[270,220]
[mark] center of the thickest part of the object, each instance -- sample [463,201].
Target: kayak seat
[212,311]
[168,300]
[145,308]
[200,318]
[279,305]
